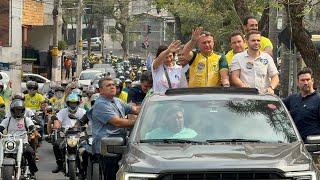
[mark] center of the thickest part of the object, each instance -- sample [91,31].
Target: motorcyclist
[33,99]
[28,112]
[120,93]
[82,122]
[17,122]
[64,121]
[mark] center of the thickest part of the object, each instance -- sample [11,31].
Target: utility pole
[56,65]
[79,38]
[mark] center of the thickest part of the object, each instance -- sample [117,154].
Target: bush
[62,45]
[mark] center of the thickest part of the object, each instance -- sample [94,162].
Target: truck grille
[222,176]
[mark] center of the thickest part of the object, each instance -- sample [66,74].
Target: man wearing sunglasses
[33,99]
[253,68]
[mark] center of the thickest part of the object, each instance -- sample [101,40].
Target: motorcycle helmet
[32,85]
[91,90]
[119,85]
[121,78]
[18,96]
[128,81]
[78,92]
[73,102]
[93,98]
[17,109]
[59,92]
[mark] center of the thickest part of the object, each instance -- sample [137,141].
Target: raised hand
[174,46]
[196,34]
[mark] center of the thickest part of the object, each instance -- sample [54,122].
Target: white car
[86,76]
[33,77]
[4,77]
[95,43]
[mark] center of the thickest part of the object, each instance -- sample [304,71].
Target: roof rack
[212,90]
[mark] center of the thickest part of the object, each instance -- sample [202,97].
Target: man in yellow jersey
[237,45]
[33,99]
[207,68]
[250,23]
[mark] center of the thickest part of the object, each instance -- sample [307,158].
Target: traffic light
[149,29]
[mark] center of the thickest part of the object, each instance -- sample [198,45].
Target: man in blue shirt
[108,120]
[304,107]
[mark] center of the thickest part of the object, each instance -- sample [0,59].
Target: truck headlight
[138,176]
[304,175]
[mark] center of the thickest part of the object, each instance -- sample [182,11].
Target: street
[47,163]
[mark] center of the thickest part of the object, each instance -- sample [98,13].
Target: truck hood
[157,158]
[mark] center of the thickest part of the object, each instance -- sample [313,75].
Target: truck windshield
[214,121]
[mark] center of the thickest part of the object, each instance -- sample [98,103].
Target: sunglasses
[32,88]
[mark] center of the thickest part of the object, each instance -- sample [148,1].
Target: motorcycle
[12,163]
[73,138]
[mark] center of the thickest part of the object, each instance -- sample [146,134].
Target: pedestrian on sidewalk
[67,66]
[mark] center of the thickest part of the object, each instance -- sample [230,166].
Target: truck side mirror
[111,146]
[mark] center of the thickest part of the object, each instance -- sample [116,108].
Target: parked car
[33,77]
[95,43]
[213,133]
[107,69]
[86,76]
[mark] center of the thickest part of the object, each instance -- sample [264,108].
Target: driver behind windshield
[172,126]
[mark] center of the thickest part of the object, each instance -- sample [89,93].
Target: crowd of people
[111,107]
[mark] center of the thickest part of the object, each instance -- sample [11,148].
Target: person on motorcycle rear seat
[33,99]
[17,122]
[63,121]
[57,101]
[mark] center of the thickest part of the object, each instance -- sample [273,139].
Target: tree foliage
[218,17]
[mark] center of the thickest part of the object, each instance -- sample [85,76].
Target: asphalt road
[46,163]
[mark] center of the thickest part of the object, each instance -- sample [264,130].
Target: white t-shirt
[176,75]
[17,126]
[66,122]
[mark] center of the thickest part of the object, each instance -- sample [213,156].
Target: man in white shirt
[17,123]
[64,121]
[253,68]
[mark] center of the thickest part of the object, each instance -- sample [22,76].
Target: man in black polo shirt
[304,107]
[136,94]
